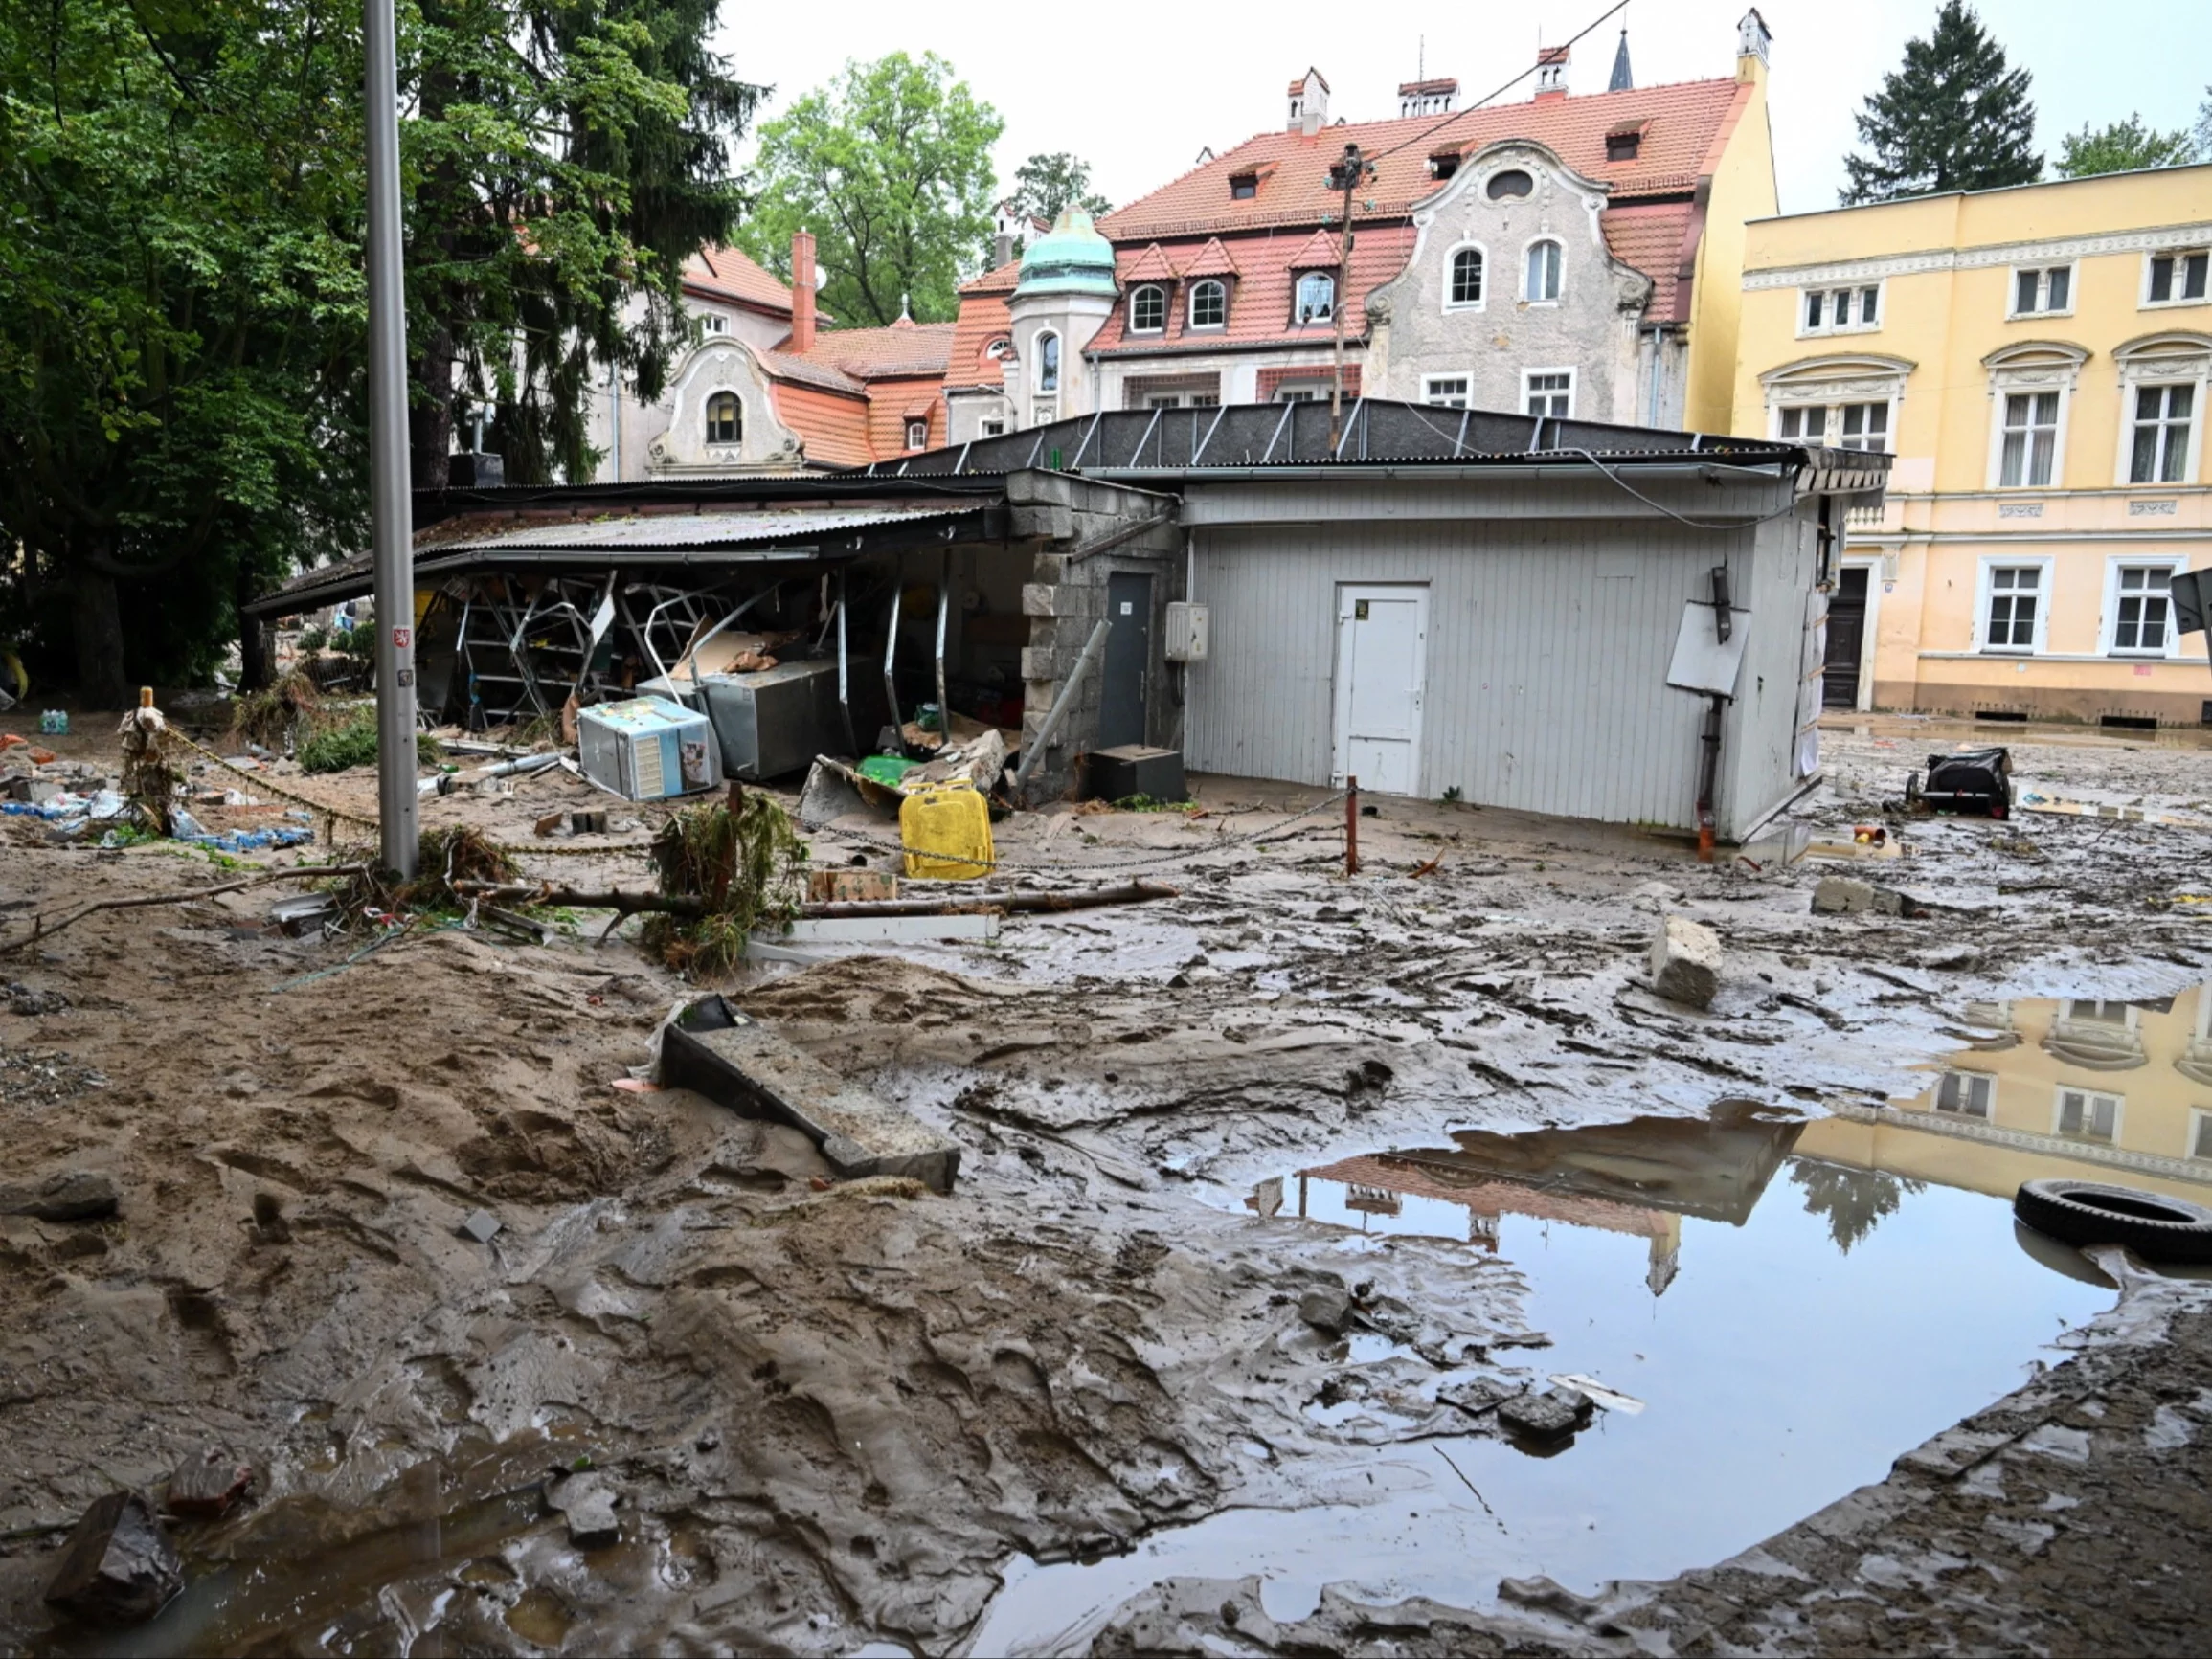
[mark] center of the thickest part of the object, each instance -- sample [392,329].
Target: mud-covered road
[836,1413]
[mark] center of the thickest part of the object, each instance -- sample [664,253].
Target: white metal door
[1382,644]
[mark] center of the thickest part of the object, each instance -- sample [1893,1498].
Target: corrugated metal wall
[1548,651]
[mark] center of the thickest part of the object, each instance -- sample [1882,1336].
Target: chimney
[1550,73]
[1309,103]
[1427,97]
[1752,39]
[1004,248]
[802,292]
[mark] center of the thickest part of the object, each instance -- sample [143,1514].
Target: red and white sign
[401,638]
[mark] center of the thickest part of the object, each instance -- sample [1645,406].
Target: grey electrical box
[1187,628]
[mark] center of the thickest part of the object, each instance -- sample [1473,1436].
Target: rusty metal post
[1351,825]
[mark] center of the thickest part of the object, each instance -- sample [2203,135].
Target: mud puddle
[1775,1327]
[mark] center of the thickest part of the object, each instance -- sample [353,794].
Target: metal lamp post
[390,511]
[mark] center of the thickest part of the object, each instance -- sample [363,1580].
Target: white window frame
[1154,288]
[714,322]
[2131,415]
[1301,392]
[707,421]
[2180,257]
[1451,258]
[1465,395]
[2131,1014]
[2198,1116]
[2109,633]
[2000,398]
[1574,388]
[2014,314]
[2022,370]
[911,441]
[1990,562]
[1828,292]
[991,426]
[2179,359]
[1529,247]
[2119,1112]
[1043,389]
[1190,320]
[1936,1095]
[1299,318]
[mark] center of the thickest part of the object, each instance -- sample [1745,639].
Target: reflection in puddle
[1793,1303]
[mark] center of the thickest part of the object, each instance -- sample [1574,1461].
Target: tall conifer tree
[1955,118]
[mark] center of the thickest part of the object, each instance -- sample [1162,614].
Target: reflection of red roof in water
[1492,1198]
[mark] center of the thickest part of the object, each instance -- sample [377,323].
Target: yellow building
[2036,358]
[2096,1090]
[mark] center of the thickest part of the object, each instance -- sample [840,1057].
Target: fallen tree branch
[42,929]
[629,904]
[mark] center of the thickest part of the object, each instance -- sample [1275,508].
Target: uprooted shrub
[273,716]
[354,744]
[744,860]
[444,857]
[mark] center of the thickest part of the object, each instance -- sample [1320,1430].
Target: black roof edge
[435,507]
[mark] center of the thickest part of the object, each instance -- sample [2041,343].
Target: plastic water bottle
[54,723]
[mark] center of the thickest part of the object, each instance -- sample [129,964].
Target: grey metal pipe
[391,507]
[843,677]
[890,652]
[1032,752]
[944,610]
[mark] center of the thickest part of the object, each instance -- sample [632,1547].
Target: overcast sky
[1136,91]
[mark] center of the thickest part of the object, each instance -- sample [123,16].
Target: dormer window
[714,323]
[1208,305]
[1622,145]
[1147,309]
[1317,298]
[725,420]
[1243,187]
[1444,164]
[918,434]
[998,350]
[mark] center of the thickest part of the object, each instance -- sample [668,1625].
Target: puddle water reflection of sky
[1795,1303]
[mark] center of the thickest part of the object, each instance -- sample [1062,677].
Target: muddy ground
[835,1412]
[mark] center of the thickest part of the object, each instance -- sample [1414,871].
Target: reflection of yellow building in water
[2117,1091]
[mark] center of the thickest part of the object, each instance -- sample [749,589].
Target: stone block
[72,1196]
[1552,1415]
[1040,663]
[1686,961]
[118,1566]
[1843,896]
[1051,521]
[1039,599]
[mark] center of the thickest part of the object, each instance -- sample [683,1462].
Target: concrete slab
[712,1047]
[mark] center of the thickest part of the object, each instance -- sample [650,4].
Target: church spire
[1622,81]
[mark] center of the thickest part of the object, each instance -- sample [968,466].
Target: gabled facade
[2038,358]
[1225,280]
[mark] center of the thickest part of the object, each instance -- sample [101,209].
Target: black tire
[2154,1227]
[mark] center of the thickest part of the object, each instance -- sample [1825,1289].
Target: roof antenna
[1421,57]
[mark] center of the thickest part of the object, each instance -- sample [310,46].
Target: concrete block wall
[1066,597]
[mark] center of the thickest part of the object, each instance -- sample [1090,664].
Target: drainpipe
[890,652]
[1033,755]
[944,610]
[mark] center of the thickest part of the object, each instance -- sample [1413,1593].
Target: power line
[1509,86]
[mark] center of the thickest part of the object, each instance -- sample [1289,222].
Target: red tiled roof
[904,347]
[1652,236]
[811,372]
[729,274]
[851,397]
[1319,249]
[833,425]
[1259,299]
[1686,125]
[1151,266]
[985,317]
[1212,260]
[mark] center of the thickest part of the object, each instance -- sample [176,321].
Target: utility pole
[1345,176]
[391,510]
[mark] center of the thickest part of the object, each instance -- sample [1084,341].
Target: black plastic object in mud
[1979,782]
[2154,1227]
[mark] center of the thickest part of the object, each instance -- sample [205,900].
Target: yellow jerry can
[946,830]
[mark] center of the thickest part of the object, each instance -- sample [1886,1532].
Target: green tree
[1955,118]
[890,166]
[1045,183]
[2123,146]
[1853,1200]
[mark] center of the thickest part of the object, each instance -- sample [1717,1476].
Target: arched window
[1208,305]
[1317,300]
[1465,284]
[725,420]
[1147,309]
[1048,362]
[1542,271]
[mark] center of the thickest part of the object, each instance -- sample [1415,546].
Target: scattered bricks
[589,821]
[208,1482]
[118,1566]
[73,1195]
[1474,1395]
[587,1502]
[1328,1310]
[1552,1415]
[1686,961]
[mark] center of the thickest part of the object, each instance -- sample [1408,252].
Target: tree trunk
[430,421]
[96,618]
[254,641]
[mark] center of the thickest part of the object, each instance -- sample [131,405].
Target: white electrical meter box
[1188,627]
